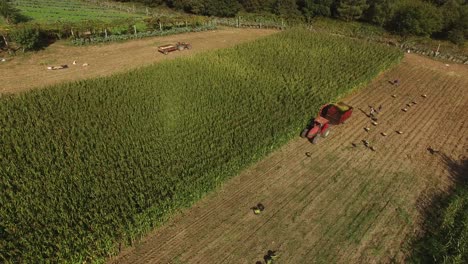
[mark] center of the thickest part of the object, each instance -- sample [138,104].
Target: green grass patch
[68,11]
[446,224]
[87,165]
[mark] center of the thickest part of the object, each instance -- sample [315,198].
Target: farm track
[343,204]
[25,72]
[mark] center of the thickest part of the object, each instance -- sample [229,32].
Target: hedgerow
[140,35]
[89,165]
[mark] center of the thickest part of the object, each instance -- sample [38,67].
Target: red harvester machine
[330,114]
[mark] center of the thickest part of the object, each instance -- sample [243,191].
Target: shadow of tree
[445,219]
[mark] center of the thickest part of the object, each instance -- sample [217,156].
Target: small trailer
[330,114]
[170,48]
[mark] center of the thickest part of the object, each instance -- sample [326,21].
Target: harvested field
[29,71]
[339,203]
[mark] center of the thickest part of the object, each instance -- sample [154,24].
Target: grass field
[92,164]
[68,11]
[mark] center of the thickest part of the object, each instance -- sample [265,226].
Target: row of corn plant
[91,165]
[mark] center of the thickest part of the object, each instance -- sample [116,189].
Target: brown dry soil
[339,203]
[28,71]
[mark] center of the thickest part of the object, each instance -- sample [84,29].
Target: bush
[417,18]
[456,36]
[27,37]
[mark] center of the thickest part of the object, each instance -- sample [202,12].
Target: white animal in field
[74,62]
[85,64]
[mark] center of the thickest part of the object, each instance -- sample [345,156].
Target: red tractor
[330,114]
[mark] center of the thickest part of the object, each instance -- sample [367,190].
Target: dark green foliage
[312,8]
[9,13]
[252,5]
[222,8]
[286,8]
[417,18]
[86,165]
[29,38]
[380,12]
[351,9]
[457,36]
[455,20]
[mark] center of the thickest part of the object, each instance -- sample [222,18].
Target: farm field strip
[70,10]
[215,210]
[105,60]
[341,204]
[133,166]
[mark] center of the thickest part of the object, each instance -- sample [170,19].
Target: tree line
[436,18]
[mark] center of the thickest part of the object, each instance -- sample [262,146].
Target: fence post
[105,32]
[160,26]
[4,39]
[282,24]
[134,29]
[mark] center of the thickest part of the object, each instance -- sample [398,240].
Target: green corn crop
[87,165]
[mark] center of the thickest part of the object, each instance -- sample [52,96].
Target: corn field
[88,166]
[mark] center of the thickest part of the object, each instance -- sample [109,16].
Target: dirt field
[338,203]
[28,71]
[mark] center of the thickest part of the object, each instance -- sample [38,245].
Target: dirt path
[343,204]
[24,72]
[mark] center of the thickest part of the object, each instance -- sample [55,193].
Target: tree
[286,8]
[8,12]
[251,5]
[222,8]
[312,8]
[351,9]
[458,33]
[27,37]
[380,12]
[190,6]
[417,18]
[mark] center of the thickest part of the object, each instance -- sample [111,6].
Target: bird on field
[372,111]
[85,64]
[433,150]
[74,62]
